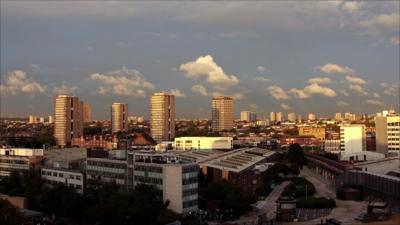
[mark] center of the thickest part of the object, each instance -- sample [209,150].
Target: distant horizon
[321,57]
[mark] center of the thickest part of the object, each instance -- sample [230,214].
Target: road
[268,205]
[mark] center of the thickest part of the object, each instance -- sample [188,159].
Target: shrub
[298,188]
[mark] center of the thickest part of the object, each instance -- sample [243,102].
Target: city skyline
[265,62]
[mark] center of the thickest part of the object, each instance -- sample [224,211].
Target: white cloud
[65,89]
[277,92]
[317,89]
[285,106]
[320,80]
[355,80]
[262,79]
[299,93]
[342,103]
[17,82]
[261,69]
[388,21]
[395,40]
[125,82]
[374,102]
[343,92]
[390,89]
[352,6]
[205,66]
[359,89]
[177,93]
[376,95]
[238,96]
[199,89]
[253,106]
[334,68]
[312,89]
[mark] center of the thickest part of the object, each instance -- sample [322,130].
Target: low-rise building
[318,132]
[176,178]
[203,143]
[19,160]
[110,170]
[71,178]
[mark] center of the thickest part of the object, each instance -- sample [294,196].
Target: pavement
[268,205]
[345,211]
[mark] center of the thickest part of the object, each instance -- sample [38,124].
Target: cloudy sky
[323,57]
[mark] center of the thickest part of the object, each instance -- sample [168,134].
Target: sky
[304,56]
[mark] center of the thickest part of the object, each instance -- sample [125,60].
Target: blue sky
[322,57]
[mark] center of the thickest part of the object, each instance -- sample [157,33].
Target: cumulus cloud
[285,106]
[261,69]
[390,89]
[359,89]
[177,93]
[320,80]
[17,82]
[238,96]
[395,40]
[124,82]
[262,79]
[342,103]
[355,80]
[374,102]
[199,89]
[312,89]
[299,93]
[320,90]
[391,21]
[277,92]
[65,89]
[205,66]
[343,92]
[330,68]
[352,6]
[376,95]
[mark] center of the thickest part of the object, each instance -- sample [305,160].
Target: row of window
[189,169]
[53,182]
[13,161]
[56,174]
[190,203]
[148,180]
[106,164]
[189,192]
[191,180]
[154,169]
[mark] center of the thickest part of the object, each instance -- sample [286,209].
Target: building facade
[352,139]
[119,117]
[203,143]
[71,178]
[318,132]
[109,170]
[387,134]
[162,116]
[19,160]
[222,113]
[68,119]
[175,178]
[248,116]
[87,112]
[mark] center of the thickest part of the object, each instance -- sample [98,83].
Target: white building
[203,143]
[388,134]
[312,117]
[279,116]
[41,119]
[292,117]
[174,177]
[19,160]
[352,139]
[70,178]
[272,117]
[32,119]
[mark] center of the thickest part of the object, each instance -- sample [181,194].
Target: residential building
[222,113]
[203,143]
[176,178]
[68,119]
[338,116]
[41,119]
[32,119]
[162,116]
[119,117]
[272,117]
[387,130]
[51,119]
[332,145]
[248,116]
[279,117]
[19,160]
[292,117]
[87,112]
[352,139]
[318,132]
